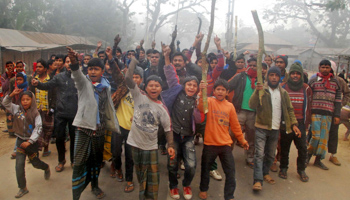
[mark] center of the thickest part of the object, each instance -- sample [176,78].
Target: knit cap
[284,58]
[296,67]
[274,69]
[138,71]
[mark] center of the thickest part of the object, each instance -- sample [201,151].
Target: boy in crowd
[217,141]
[275,103]
[95,115]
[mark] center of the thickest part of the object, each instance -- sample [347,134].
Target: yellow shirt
[42,96]
[125,111]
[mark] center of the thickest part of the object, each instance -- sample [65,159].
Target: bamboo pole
[261,50]
[235,48]
[204,56]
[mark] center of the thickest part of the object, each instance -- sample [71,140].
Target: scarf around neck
[325,79]
[295,86]
[252,74]
[98,88]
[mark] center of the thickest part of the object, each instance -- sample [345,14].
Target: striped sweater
[325,101]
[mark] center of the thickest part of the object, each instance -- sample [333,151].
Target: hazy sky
[242,10]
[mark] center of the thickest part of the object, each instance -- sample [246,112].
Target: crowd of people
[150,100]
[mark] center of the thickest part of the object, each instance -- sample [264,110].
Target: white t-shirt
[276,108]
[148,115]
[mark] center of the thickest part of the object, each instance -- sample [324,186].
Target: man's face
[325,69]
[86,59]
[10,68]
[149,56]
[295,76]
[155,59]
[213,63]
[118,54]
[67,63]
[137,79]
[26,102]
[153,90]
[200,63]
[40,69]
[19,80]
[281,64]
[252,64]
[95,73]
[268,61]
[191,88]
[240,64]
[264,71]
[178,62]
[59,63]
[142,55]
[19,67]
[220,92]
[102,56]
[274,79]
[131,54]
[185,52]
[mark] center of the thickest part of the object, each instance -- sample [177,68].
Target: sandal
[46,153]
[283,173]
[60,166]
[129,188]
[269,180]
[21,193]
[119,175]
[13,155]
[303,176]
[98,193]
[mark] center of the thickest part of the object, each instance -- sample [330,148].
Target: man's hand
[99,44]
[166,51]
[24,145]
[35,82]
[227,54]
[217,41]
[16,91]
[117,39]
[198,39]
[296,131]
[336,120]
[72,55]
[203,85]
[153,44]
[141,42]
[171,153]
[109,53]
[246,146]
[259,86]
[246,52]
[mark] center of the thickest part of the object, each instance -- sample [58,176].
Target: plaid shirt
[42,96]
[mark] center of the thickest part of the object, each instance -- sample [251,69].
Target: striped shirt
[297,99]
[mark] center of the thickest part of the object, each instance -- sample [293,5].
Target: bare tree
[124,6]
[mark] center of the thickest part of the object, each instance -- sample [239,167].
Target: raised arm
[128,76]
[77,75]
[117,39]
[169,70]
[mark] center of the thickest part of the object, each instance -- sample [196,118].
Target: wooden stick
[235,48]
[204,56]
[261,50]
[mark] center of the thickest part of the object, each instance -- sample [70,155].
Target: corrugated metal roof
[30,41]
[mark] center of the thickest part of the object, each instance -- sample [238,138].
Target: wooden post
[261,50]
[204,56]
[235,48]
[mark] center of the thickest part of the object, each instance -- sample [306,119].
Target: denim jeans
[184,147]
[116,146]
[228,165]
[300,143]
[265,148]
[32,152]
[247,120]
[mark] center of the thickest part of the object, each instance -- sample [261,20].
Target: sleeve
[220,67]
[171,75]
[12,84]
[37,130]
[128,76]
[233,83]
[7,103]
[200,102]
[189,53]
[290,109]
[79,79]
[48,85]
[337,102]
[254,100]
[235,126]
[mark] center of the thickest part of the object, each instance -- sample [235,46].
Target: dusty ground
[323,185]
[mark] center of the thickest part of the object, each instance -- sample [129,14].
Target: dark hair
[8,62]
[183,50]
[221,82]
[28,93]
[20,61]
[149,51]
[155,51]
[19,75]
[264,65]
[178,54]
[65,58]
[96,62]
[131,51]
[251,60]
[325,62]
[240,58]
[59,56]
[101,52]
[43,62]
[119,50]
[88,55]
[50,62]
[53,55]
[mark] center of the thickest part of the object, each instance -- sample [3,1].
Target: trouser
[228,165]
[87,161]
[146,168]
[265,147]
[333,138]
[183,146]
[247,119]
[60,129]
[47,128]
[117,143]
[300,143]
[9,122]
[32,152]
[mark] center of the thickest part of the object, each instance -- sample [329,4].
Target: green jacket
[264,112]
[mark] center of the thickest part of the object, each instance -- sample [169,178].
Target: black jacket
[67,95]
[237,84]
